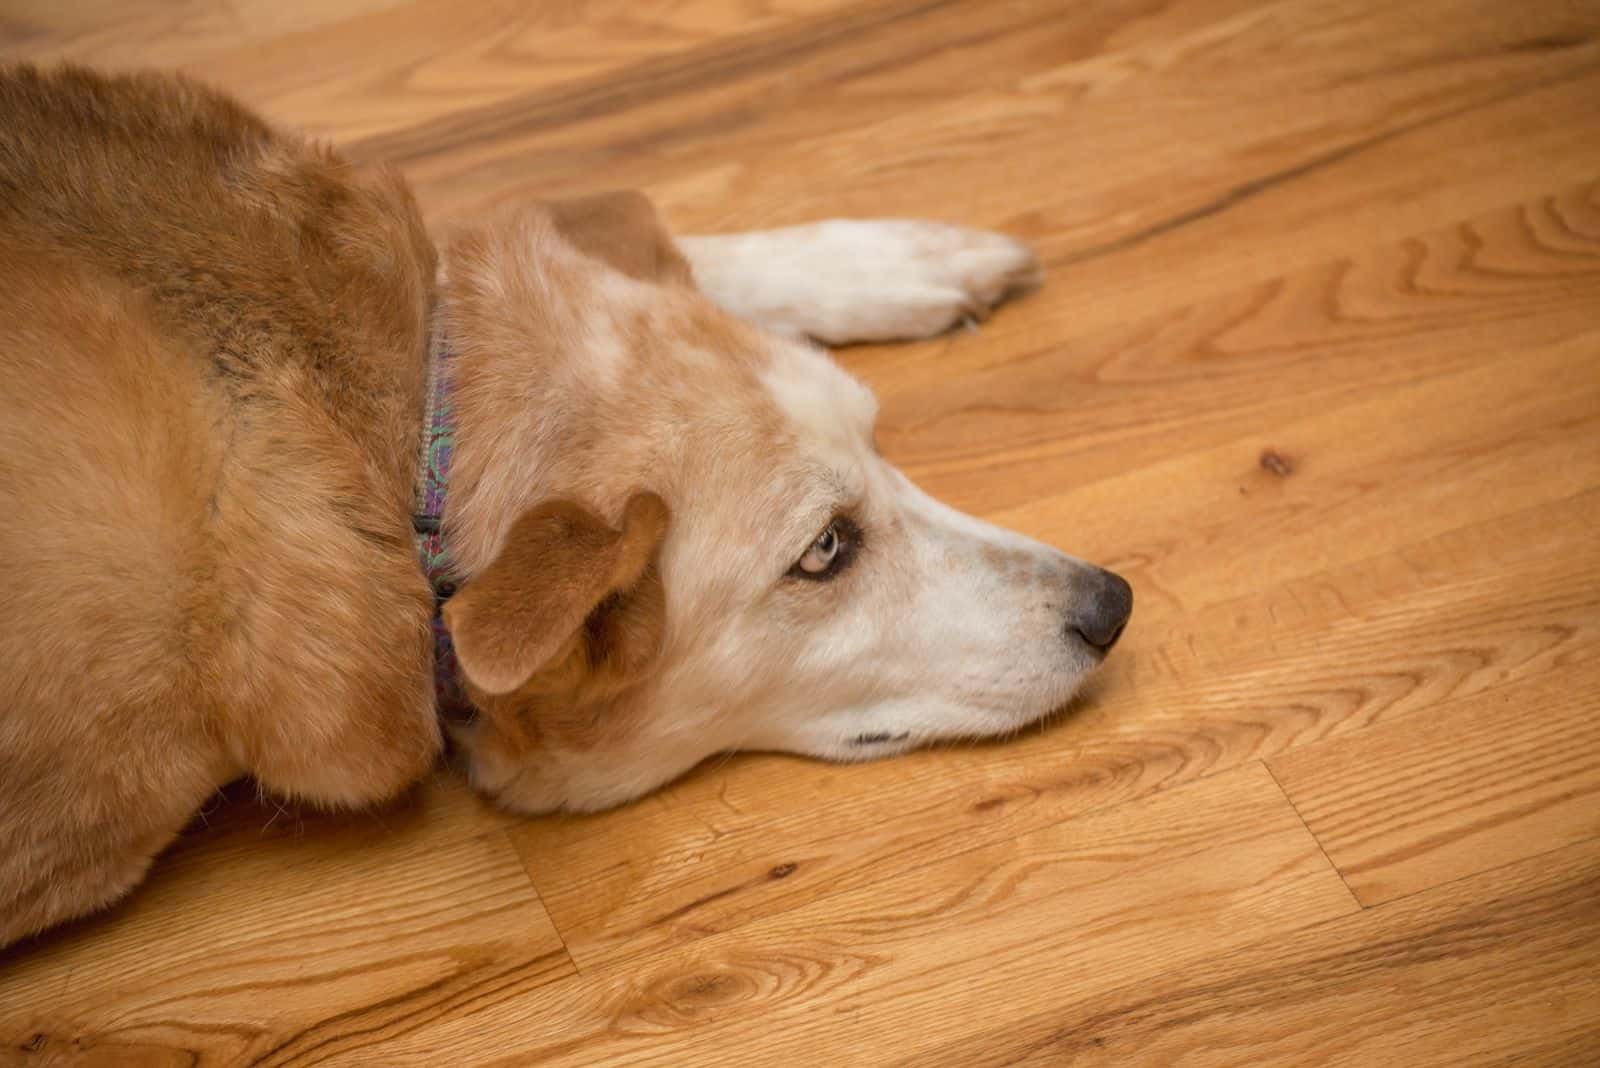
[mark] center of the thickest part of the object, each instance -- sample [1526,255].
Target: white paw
[848,280]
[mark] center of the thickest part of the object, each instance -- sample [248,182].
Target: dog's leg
[849,280]
[72,876]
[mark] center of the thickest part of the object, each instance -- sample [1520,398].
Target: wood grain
[1499,969]
[1247,361]
[1317,365]
[1123,894]
[449,58]
[150,33]
[275,936]
[1466,786]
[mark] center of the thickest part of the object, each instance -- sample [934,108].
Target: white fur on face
[942,626]
[972,642]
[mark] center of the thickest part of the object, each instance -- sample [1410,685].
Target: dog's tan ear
[622,229]
[568,601]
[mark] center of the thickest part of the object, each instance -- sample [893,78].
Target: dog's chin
[902,726]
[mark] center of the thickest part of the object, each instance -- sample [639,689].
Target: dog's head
[680,537]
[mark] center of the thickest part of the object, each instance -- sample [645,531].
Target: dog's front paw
[850,280]
[901,278]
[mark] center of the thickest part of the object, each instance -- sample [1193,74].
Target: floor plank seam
[533,884]
[1296,810]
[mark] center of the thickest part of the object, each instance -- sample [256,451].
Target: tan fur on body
[215,342]
[212,338]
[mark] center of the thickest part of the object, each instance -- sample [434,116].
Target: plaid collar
[433,479]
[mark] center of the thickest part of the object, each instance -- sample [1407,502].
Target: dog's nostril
[1116,634]
[1101,612]
[1099,640]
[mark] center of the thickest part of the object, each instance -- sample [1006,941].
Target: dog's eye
[827,555]
[823,552]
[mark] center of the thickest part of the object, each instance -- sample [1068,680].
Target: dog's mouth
[880,738]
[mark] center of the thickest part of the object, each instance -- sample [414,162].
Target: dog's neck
[427,518]
[438,442]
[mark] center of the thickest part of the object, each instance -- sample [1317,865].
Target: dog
[274,465]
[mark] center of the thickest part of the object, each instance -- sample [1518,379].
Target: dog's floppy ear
[568,601]
[622,229]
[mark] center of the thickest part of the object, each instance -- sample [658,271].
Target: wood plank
[1271,178]
[1499,969]
[1014,926]
[124,34]
[1441,619]
[1464,787]
[286,937]
[444,58]
[1006,419]
[1317,492]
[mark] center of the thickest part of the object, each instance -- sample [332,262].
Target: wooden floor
[1317,366]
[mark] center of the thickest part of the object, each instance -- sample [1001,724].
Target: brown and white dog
[672,531]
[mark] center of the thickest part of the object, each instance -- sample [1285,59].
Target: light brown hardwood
[1317,366]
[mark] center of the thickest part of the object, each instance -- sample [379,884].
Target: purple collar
[433,477]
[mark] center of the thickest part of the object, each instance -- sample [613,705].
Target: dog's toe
[892,279]
[991,268]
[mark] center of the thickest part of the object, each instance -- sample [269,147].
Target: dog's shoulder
[289,295]
[283,265]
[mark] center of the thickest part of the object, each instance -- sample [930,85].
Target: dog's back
[212,341]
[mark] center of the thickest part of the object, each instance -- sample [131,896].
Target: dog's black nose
[1101,604]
